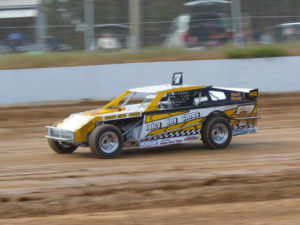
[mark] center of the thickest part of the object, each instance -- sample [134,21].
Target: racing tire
[106,141]
[216,133]
[61,147]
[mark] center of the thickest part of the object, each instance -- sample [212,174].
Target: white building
[25,17]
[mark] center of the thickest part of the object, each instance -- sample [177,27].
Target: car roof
[164,87]
[245,90]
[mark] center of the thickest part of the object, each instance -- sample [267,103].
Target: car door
[178,115]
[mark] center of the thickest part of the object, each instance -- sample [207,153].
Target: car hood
[74,122]
[78,120]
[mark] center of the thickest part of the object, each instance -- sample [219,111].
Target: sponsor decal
[153,126]
[178,140]
[236,96]
[172,121]
[191,138]
[168,141]
[191,116]
[134,114]
[148,144]
[253,94]
[157,117]
[110,117]
[122,116]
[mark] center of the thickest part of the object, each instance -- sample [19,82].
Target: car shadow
[136,152]
[170,149]
[183,148]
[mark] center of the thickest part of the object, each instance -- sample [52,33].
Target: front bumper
[59,134]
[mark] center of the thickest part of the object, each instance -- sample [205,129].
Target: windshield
[135,100]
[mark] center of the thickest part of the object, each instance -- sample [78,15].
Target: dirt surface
[256,180]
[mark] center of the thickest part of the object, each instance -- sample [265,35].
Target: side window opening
[175,100]
[200,98]
[181,99]
[165,103]
[217,95]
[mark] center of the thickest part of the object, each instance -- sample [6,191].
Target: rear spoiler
[252,94]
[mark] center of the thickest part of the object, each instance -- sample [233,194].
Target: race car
[161,115]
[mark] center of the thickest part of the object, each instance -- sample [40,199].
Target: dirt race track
[256,180]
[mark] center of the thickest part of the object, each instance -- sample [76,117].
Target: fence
[170,23]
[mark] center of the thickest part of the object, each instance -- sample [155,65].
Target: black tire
[61,148]
[106,141]
[216,133]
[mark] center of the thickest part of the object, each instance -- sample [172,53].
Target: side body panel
[185,125]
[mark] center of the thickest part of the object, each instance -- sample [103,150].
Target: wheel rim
[219,133]
[108,142]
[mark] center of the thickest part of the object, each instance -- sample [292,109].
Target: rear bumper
[59,134]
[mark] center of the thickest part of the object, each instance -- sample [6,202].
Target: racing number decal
[245,110]
[177,79]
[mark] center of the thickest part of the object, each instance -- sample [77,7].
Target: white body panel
[168,141]
[173,120]
[74,121]
[157,88]
[246,90]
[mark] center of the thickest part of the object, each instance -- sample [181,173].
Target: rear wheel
[61,147]
[216,133]
[106,141]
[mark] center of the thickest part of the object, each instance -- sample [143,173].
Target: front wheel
[106,141]
[61,147]
[216,133]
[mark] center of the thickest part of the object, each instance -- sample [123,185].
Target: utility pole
[41,27]
[238,38]
[135,24]
[89,24]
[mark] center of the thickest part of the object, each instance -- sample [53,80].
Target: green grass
[153,54]
[255,52]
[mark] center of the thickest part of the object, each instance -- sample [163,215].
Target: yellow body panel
[116,101]
[162,116]
[193,122]
[231,113]
[159,131]
[196,127]
[174,127]
[81,134]
[100,112]
[254,113]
